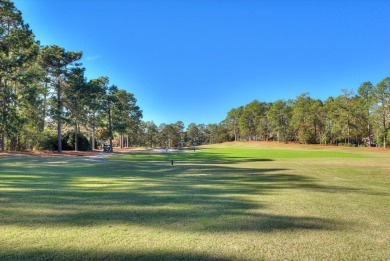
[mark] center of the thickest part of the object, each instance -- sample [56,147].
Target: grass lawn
[232,201]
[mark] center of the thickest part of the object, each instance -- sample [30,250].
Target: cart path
[98,157]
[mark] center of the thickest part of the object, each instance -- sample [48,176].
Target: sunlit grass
[245,201]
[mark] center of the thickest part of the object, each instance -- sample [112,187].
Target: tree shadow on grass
[185,197]
[109,255]
[201,157]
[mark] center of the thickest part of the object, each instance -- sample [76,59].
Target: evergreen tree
[18,50]
[125,113]
[365,91]
[381,95]
[279,116]
[233,121]
[57,62]
[77,94]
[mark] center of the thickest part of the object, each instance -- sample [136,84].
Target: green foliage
[40,86]
[69,142]
[18,51]
[48,142]
[233,121]
[279,116]
[388,137]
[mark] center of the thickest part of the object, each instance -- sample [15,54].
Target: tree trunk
[2,138]
[384,132]
[110,126]
[76,138]
[349,132]
[59,123]
[44,107]
[93,138]
[369,135]
[3,128]
[59,133]
[3,115]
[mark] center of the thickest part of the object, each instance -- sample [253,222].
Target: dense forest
[46,102]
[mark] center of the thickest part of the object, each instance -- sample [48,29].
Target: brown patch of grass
[292,144]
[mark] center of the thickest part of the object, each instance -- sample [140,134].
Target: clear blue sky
[195,60]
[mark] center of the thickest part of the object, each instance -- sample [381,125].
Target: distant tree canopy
[46,102]
[350,119]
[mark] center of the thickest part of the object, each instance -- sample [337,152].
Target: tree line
[350,119]
[46,102]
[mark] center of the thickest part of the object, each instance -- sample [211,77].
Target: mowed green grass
[233,201]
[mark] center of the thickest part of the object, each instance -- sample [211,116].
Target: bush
[68,142]
[48,142]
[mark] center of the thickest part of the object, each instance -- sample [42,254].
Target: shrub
[68,142]
[48,142]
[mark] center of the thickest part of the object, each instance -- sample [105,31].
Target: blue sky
[195,60]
